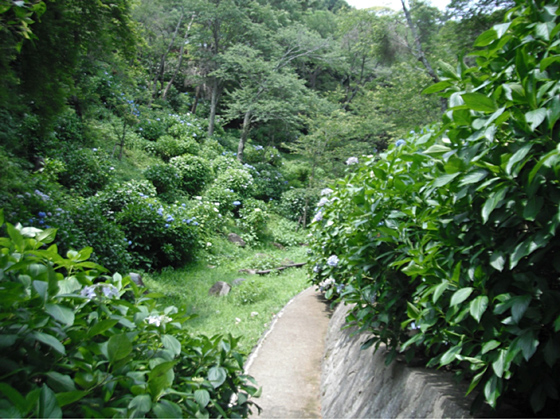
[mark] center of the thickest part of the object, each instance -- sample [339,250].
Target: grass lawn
[249,308]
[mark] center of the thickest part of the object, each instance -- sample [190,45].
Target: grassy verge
[249,308]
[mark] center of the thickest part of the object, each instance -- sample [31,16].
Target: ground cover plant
[447,242]
[247,311]
[81,343]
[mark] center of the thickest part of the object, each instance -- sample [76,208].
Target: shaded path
[287,361]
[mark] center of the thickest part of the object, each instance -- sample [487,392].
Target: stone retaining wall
[357,384]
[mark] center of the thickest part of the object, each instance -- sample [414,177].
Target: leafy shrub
[269,182]
[238,180]
[224,197]
[167,146]
[118,195]
[453,233]
[224,162]
[165,178]
[286,232]
[293,202]
[249,292]
[85,224]
[211,149]
[160,235]
[87,170]
[195,172]
[184,126]
[253,219]
[74,347]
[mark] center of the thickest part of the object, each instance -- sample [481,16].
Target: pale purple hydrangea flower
[323,201]
[333,260]
[110,291]
[318,217]
[326,191]
[88,292]
[352,160]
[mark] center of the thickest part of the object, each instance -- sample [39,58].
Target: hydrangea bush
[447,242]
[73,346]
[195,172]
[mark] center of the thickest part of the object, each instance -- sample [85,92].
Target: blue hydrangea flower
[400,142]
[41,214]
[195,223]
[170,219]
[236,203]
[166,225]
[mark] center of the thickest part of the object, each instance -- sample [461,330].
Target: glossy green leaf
[519,306]
[142,403]
[535,118]
[118,347]
[439,290]
[60,313]
[486,38]
[202,397]
[450,355]
[490,345]
[48,406]
[478,307]
[499,364]
[528,344]
[460,295]
[50,341]
[167,409]
[498,261]
[170,342]
[68,397]
[532,208]
[479,102]
[492,391]
[13,396]
[517,157]
[217,376]
[492,202]
[60,382]
[437,87]
[102,326]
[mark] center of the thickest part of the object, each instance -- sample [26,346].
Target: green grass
[249,308]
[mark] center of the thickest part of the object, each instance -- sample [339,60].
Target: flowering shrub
[167,146]
[225,197]
[74,347]
[86,170]
[159,235]
[165,178]
[292,203]
[85,223]
[237,179]
[286,232]
[224,162]
[454,231]
[195,172]
[253,218]
[269,182]
[117,196]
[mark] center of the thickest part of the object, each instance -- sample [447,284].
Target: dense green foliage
[90,345]
[447,242]
[149,130]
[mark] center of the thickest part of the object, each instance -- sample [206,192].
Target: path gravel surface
[287,361]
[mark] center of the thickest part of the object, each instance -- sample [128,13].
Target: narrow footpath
[287,361]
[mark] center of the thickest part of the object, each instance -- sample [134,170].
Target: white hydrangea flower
[326,191]
[352,160]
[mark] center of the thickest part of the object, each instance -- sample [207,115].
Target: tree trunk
[420,52]
[181,52]
[213,106]
[244,136]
